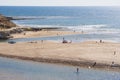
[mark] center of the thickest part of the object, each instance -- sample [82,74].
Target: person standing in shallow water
[77,70]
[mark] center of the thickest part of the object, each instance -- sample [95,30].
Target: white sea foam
[40,26]
[86,27]
[95,29]
[98,29]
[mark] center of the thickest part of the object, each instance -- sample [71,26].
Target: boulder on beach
[4,35]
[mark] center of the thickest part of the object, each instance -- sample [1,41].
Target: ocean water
[95,21]
[11,69]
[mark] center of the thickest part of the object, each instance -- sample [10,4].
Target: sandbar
[88,54]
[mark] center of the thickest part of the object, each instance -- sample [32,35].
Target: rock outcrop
[5,23]
[4,35]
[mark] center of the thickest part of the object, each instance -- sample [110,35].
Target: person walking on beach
[114,52]
[100,41]
[41,41]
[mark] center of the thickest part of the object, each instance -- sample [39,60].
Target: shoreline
[31,34]
[89,54]
[83,63]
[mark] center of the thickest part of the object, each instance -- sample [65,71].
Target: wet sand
[87,54]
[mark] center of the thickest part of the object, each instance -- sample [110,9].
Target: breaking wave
[98,29]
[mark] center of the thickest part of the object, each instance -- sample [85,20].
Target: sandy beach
[28,34]
[89,54]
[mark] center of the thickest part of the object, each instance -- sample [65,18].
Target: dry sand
[29,34]
[85,53]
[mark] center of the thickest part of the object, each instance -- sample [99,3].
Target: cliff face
[6,23]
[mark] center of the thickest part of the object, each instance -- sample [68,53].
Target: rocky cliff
[6,23]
